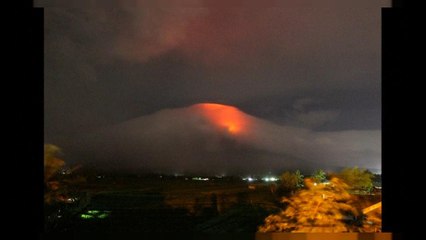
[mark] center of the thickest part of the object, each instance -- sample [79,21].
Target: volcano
[216,139]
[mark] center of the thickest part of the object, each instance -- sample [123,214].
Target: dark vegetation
[142,204]
[80,201]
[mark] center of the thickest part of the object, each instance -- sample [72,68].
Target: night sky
[122,78]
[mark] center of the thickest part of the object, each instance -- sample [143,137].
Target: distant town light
[200,179]
[270,179]
[250,179]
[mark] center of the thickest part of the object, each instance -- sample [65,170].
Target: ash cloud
[107,62]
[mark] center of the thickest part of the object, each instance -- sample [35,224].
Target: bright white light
[250,179]
[200,179]
[270,179]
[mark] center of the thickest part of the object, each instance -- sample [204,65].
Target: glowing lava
[225,117]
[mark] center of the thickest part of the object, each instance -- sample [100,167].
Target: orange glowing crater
[224,117]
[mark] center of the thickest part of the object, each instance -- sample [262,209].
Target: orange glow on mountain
[225,117]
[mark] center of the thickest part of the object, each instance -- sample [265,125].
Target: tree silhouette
[52,165]
[357,179]
[319,176]
[290,182]
[61,200]
[57,185]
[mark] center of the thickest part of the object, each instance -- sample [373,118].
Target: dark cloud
[110,61]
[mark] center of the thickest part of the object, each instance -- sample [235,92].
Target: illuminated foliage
[291,181]
[300,179]
[52,164]
[319,176]
[86,216]
[57,185]
[323,207]
[357,179]
[95,214]
[373,222]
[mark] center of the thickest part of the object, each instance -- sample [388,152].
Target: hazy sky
[311,65]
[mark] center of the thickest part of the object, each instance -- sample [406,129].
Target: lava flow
[225,117]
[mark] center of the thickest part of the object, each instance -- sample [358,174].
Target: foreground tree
[319,176]
[60,182]
[52,166]
[357,179]
[61,194]
[318,208]
[52,162]
[290,182]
